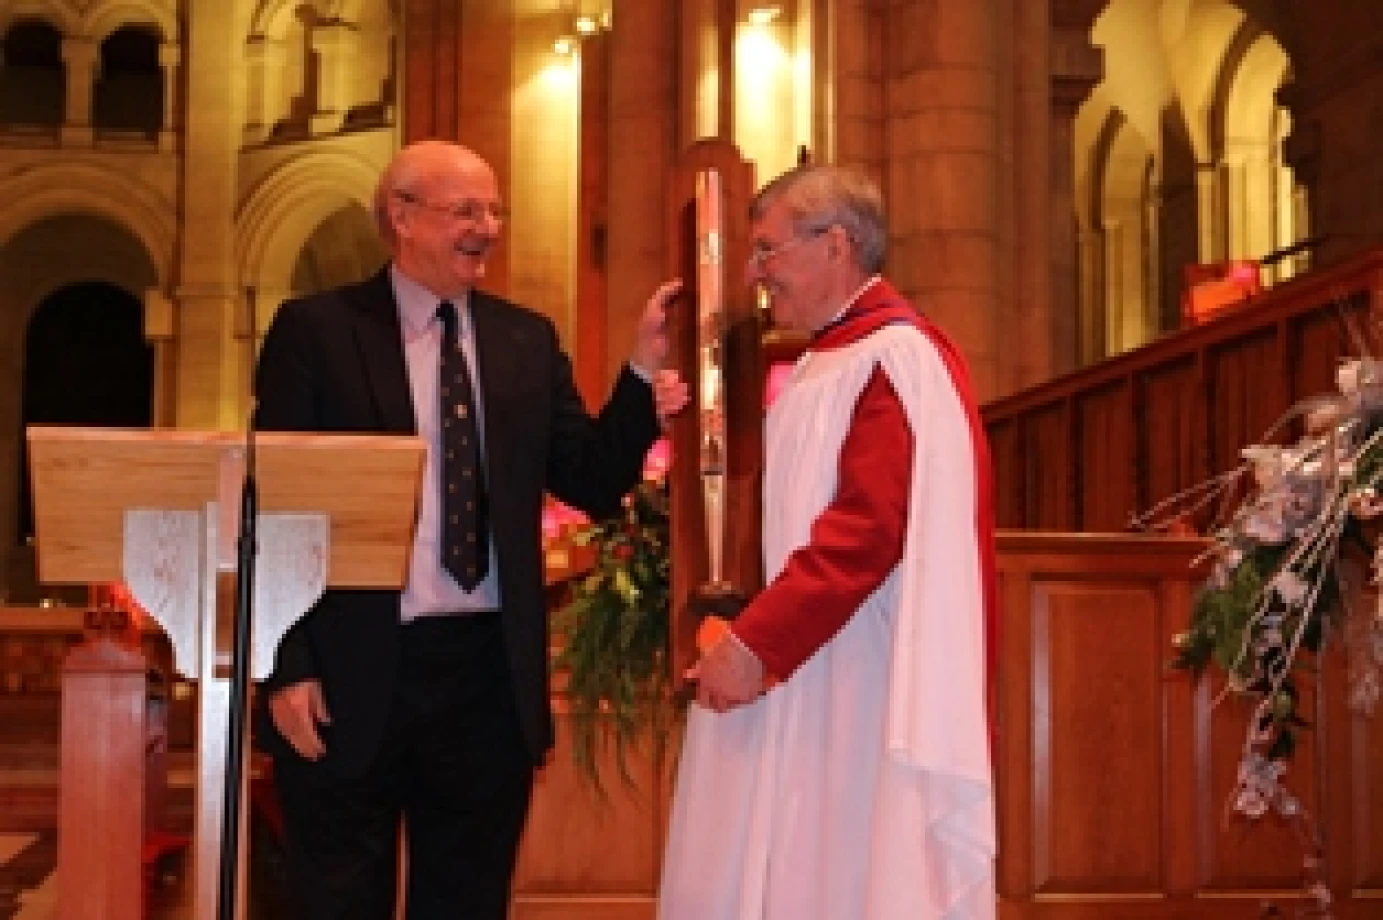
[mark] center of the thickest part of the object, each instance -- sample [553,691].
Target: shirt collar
[849,302]
[418,305]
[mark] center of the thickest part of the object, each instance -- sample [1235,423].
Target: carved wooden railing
[1087,450]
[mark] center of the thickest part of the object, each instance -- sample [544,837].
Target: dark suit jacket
[334,362]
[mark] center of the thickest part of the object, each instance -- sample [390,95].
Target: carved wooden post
[101,812]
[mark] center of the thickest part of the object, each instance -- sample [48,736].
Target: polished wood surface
[1114,770]
[1089,450]
[744,387]
[86,478]
[101,818]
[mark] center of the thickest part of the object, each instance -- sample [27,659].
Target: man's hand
[728,675]
[670,394]
[651,339]
[297,710]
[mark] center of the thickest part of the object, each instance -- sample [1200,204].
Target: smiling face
[445,214]
[796,269]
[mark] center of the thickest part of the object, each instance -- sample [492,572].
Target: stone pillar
[169,58]
[1210,244]
[160,332]
[80,57]
[859,86]
[1336,114]
[479,56]
[643,102]
[12,323]
[1076,68]
[334,44]
[942,175]
[698,83]
[543,155]
[207,297]
[1115,287]
[264,60]
[1249,199]
[1089,281]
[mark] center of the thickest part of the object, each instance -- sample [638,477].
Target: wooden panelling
[1165,428]
[1242,378]
[1086,449]
[1045,455]
[1114,772]
[1005,449]
[1105,444]
[1096,700]
[589,855]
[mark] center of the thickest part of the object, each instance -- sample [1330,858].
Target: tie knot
[446,312]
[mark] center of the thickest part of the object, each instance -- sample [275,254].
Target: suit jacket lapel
[495,343]
[380,341]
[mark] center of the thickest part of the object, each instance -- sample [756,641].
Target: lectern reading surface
[158,510]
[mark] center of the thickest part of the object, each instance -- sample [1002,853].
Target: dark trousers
[453,766]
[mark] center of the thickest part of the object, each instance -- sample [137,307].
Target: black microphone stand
[246,549]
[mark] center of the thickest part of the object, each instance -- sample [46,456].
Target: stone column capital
[261,50]
[1077,67]
[160,323]
[333,36]
[80,52]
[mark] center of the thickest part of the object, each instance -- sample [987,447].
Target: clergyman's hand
[670,395]
[297,710]
[728,675]
[651,338]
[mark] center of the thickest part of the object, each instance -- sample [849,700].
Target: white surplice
[860,788]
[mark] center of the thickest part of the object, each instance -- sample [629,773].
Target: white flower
[1290,586]
[1324,417]
[1269,463]
[1356,374]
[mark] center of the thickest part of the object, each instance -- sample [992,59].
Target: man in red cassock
[837,763]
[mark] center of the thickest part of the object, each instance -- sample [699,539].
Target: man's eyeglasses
[470,211]
[760,253]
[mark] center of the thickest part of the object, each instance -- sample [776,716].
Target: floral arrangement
[1296,562]
[615,629]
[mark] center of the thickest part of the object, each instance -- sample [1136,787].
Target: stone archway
[284,212]
[51,255]
[343,249]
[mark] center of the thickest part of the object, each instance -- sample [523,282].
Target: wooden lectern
[159,511]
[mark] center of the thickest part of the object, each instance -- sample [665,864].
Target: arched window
[32,78]
[129,92]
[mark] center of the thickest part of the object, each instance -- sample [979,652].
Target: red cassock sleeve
[854,544]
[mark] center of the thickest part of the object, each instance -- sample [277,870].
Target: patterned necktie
[465,519]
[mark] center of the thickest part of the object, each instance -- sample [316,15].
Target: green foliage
[1224,633]
[615,632]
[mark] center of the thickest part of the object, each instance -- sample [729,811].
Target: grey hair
[819,197]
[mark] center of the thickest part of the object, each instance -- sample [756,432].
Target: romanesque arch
[94,189]
[281,213]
